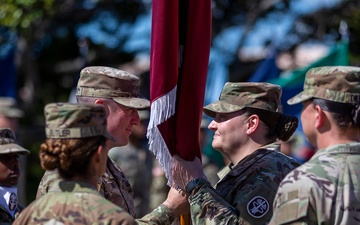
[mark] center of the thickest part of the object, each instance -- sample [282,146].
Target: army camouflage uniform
[245,192]
[77,202]
[113,186]
[324,190]
[319,191]
[69,202]
[123,88]
[8,145]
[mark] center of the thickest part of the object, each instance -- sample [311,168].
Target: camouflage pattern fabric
[137,164]
[239,95]
[8,143]
[70,120]
[113,186]
[324,190]
[335,83]
[245,192]
[78,203]
[6,218]
[107,82]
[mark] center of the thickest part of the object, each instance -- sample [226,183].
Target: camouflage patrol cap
[8,143]
[237,96]
[335,83]
[70,120]
[8,107]
[107,82]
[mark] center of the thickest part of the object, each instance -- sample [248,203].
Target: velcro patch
[258,206]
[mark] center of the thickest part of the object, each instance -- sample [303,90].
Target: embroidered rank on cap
[258,207]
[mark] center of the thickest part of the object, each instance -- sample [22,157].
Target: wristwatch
[195,183]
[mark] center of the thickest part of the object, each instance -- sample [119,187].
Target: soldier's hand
[177,202]
[184,171]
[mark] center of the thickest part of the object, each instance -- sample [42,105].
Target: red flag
[180,47]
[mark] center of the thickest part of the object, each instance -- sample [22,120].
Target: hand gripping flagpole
[180,47]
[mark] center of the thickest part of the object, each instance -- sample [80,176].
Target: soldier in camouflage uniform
[136,160]
[9,176]
[75,146]
[325,190]
[119,92]
[248,121]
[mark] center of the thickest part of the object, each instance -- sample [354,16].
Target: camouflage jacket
[245,192]
[5,216]
[113,186]
[324,190]
[69,202]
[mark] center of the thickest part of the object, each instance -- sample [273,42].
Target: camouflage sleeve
[206,207]
[47,181]
[161,215]
[249,204]
[292,204]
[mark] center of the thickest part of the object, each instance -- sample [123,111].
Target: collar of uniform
[73,186]
[248,160]
[347,148]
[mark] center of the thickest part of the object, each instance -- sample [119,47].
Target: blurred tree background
[45,43]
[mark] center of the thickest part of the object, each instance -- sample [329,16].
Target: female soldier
[247,121]
[76,135]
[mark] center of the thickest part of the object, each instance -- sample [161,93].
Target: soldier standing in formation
[325,190]
[9,176]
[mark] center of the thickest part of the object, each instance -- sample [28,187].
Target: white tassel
[161,110]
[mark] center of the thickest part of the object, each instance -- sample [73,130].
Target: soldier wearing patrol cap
[75,145]
[248,121]
[119,93]
[9,175]
[10,115]
[325,190]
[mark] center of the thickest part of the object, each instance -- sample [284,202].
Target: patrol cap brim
[301,97]
[13,148]
[136,103]
[221,107]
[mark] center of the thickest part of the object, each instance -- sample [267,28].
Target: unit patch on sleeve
[258,207]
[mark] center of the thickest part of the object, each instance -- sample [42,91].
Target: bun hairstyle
[287,125]
[280,126]
[70,156]
[74,132]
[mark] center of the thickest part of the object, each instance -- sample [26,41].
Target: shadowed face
[308,120]
[9,169]
[120,122]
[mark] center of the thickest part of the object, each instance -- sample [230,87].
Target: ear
[252,124]
[320,116]
[96,159]
[99,101]
[106,106]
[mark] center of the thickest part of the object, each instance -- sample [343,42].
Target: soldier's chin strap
[8,199]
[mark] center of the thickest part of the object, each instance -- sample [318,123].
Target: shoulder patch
[258,206]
